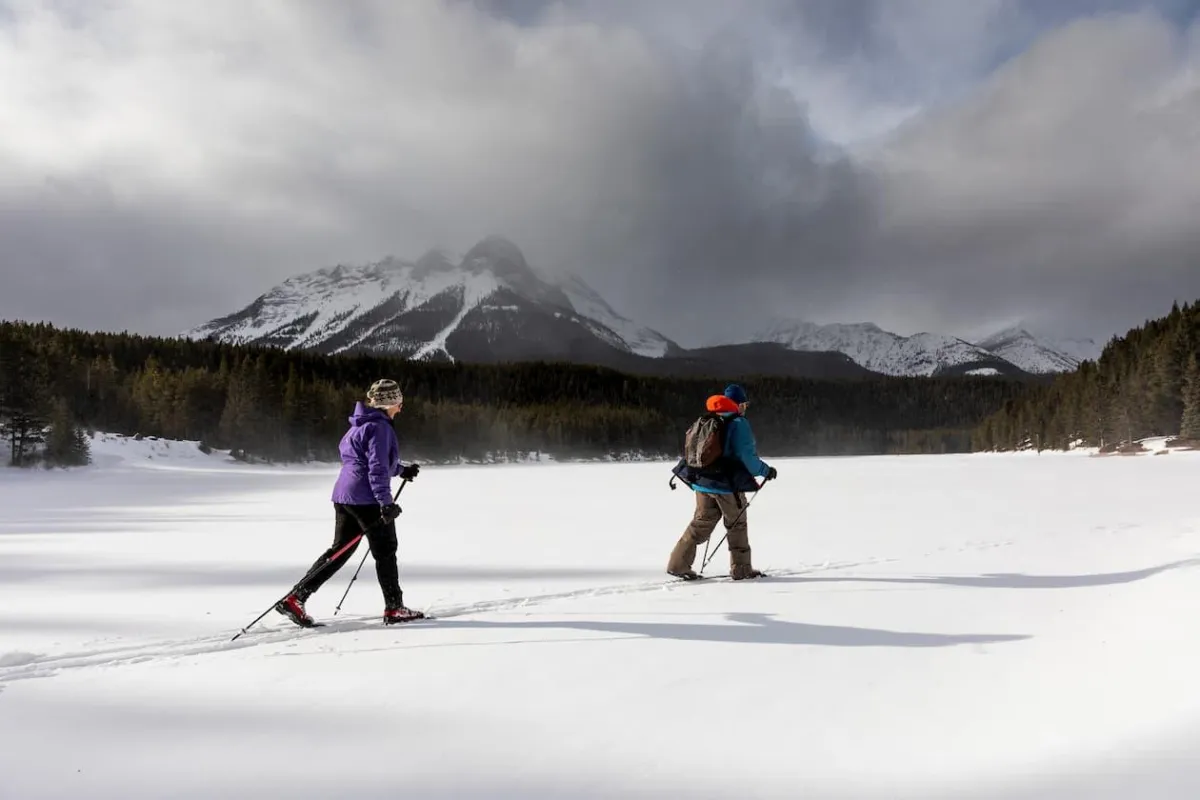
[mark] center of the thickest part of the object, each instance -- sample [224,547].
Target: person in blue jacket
[721,490]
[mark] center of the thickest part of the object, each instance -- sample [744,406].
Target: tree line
[272,404]
[1146,383]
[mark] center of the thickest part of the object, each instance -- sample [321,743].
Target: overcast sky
[927,165]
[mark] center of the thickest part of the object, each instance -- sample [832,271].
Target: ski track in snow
[21,666]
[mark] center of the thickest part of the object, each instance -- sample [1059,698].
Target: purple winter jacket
[370,459]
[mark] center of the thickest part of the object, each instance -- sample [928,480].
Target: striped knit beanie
[384,393]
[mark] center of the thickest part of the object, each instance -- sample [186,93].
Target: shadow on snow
[36,568]
[748,628]
[1008,580]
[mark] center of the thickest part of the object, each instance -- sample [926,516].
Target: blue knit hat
[735,393]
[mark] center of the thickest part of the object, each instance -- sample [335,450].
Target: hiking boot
[391,616]
[743,571]
[292,607]
[685,574]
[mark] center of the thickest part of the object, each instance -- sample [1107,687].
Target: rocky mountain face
[1013,351]
[489,306]
[884,352]
[1040,354]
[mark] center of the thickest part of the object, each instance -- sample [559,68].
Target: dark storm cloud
[1063,188]
[76,255]
[159,167]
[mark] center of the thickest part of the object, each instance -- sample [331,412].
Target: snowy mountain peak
[498,256]
[490,305]
[497,252]
[638,339]
[876,349]
[1037,354]
[1006,351]
[1012,336]
[431,263]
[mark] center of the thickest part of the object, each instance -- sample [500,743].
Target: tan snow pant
[711,509]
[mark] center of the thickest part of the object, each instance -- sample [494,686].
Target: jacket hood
[364,414]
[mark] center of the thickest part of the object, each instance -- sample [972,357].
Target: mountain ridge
[930,354]
[491,305]
[1042,354]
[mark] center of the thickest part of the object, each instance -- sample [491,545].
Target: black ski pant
[349,521]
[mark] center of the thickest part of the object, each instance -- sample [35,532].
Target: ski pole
[317,568]
[351,583]
[736,520]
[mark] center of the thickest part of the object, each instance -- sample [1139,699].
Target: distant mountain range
[1041,354]
[491,306]
[1009,351]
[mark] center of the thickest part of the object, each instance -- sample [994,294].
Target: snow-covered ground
[986,626]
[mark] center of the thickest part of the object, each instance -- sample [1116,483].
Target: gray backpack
[704,442]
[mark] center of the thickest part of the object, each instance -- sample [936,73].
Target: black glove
[410,472]
[771,473]
[389,512]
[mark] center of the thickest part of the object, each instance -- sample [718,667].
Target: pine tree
[23,399]
[240,425]
[154,394]
[1167,382]
[294,412]
[67,445]
[1189,428]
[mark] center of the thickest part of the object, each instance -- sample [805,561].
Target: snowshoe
[742,573]
[686,575]
[393,616]
[293,608]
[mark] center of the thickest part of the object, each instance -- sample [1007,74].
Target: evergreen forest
[275,405]
[1145,383]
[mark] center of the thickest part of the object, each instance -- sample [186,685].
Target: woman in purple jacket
[362,497]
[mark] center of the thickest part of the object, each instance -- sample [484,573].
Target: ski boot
[393,616]
[292,607]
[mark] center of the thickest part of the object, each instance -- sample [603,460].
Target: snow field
[979,626]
